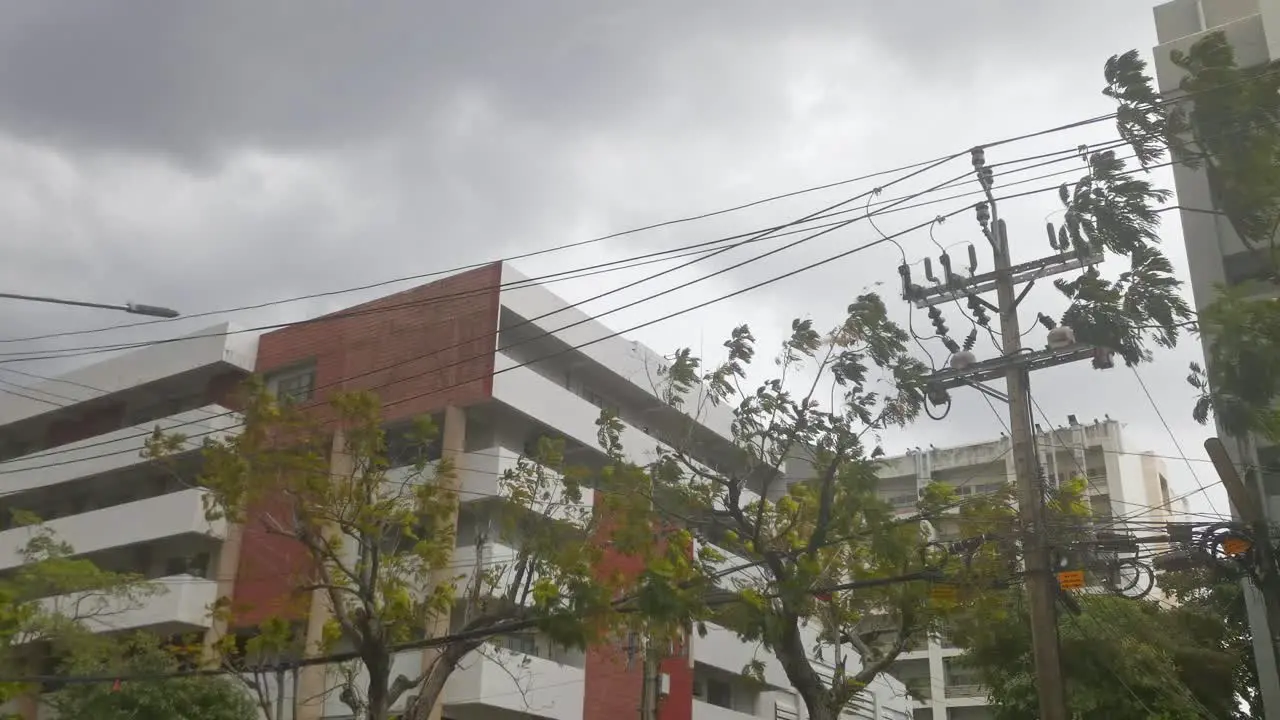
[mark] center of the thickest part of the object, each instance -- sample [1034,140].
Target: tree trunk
[279,693]
[378,665]
[432,687]
[795,662]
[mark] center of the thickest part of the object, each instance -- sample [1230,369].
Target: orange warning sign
[943,593]
[1236,546]
[1071,579]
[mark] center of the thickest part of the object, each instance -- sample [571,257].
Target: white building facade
[72,449]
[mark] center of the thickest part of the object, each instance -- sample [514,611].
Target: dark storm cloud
[212,154]
[200,79]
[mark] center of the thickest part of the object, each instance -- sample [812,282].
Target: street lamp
[134,308]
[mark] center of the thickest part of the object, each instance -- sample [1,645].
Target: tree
[57,617]
[376,518]
[1212,597]
[1128,657]
[1122,659]
[1229,126]
[177,698]
[797,499]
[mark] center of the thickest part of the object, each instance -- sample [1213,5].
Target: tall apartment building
[1121,485]
[492,363]
[1215,254]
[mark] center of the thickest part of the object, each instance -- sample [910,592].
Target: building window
[155,407]
[197,565]
[11,449]
[406,445]
[525,643]
[296,385]
[715,691]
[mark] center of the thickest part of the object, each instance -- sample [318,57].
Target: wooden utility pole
[1014,365]
[1042,584]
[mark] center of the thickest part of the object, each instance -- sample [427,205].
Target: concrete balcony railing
[532,394]
[113,451]
[157,518]
[722,648]
[181,604]
[480,476]
[966,691]
[920,688]
[492,557]
[199,356]
[502,682]
[703,710]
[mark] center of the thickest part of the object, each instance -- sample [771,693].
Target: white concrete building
[1121,483]
[72,456]
[1215,254]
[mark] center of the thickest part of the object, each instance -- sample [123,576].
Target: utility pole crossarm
[998,367]
[958,287]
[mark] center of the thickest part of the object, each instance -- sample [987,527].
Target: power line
[1177,445]
[557,353]
[99,349]
[499,628]
[610,335]
[892,206]
[551,334]
[599,268]
[667,223]
[545,334]
[759,236]
[521,256]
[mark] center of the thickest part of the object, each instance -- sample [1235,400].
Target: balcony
[113,451]
[544,314]
[157,518]
[966,693]
[492,555]
[196,358]
[509,681]
[480,477]
[921,688]
[181,605]
[703,710]
[526,391]
[722,649]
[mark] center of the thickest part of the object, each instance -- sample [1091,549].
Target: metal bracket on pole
[924,297]
[997,367]
[988,391]
[1030,284]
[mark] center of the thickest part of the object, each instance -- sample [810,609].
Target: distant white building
[1122,485]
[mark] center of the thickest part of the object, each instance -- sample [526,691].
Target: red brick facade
[418,350]
[612,688]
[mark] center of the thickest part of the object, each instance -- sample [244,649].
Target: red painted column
[613,685]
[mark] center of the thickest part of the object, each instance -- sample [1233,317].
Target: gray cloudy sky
[211,155]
